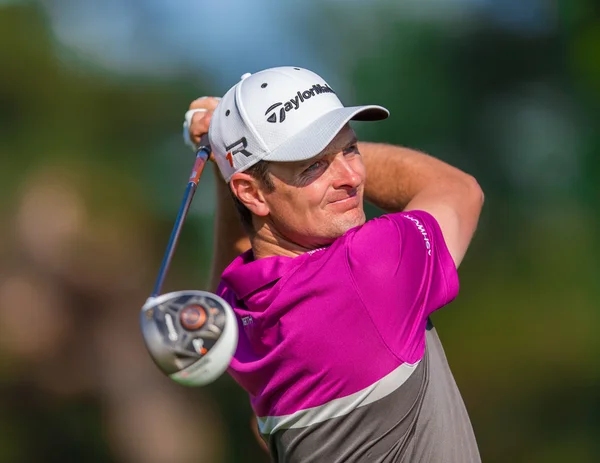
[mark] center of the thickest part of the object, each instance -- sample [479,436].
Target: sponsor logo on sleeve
[421,228]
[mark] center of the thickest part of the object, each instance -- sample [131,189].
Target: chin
[358,217]
[350,221]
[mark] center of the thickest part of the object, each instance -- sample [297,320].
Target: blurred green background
[92,170]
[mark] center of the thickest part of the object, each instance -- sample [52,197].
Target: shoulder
[395,225]
[390,237]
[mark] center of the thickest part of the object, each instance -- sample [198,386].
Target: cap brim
[317,135]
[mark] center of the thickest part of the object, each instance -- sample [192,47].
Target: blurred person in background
[336,348]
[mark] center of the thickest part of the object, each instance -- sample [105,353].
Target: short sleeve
[403,272]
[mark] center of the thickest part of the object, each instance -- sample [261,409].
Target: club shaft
[201,157]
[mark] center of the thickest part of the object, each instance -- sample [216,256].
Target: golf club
[191,335]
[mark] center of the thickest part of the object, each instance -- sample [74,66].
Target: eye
[351,149]
[314,167]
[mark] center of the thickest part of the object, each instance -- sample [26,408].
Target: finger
[188,132]
[199,125]
[206,102]
[197,119]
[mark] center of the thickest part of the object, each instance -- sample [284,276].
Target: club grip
[202,155]
[204,142]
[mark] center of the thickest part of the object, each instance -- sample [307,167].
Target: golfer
[336,349]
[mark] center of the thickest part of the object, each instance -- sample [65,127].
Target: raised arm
[230,240]
[400,179]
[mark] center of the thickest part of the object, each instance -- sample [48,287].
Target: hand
[197,119]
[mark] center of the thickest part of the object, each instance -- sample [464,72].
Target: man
[336,349]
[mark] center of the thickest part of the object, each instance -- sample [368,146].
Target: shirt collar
[246,275]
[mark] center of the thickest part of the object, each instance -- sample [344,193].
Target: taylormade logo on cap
[295,102]
[248,124]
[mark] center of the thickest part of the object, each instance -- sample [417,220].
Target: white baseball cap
[279,114]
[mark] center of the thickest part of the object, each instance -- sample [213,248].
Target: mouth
[347,202]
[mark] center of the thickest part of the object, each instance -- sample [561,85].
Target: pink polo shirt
[331,322]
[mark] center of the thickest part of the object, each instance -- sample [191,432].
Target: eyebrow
[341,147]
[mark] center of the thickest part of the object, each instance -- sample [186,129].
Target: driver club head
[191,335]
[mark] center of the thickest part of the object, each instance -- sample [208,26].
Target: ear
[247,189]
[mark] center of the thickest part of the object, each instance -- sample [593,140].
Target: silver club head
[191,335]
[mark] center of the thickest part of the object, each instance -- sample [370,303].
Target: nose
[345,174]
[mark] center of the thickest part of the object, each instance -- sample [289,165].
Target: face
[318,200]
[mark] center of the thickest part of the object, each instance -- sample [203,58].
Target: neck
[268,242]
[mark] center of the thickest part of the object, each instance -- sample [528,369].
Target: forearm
[395,175]
[230,239]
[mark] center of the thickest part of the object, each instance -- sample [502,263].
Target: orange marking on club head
[193,317]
